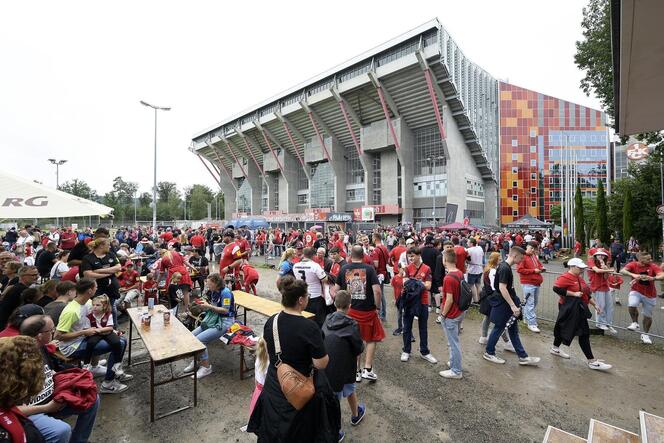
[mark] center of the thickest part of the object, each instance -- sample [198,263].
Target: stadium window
[515,170]
[533,176]
[515,197]
[533,204]
[515,184]
[533,190]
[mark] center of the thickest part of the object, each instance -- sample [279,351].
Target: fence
[547,309]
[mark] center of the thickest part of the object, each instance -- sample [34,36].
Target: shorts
[636,298]
[346,391]
[371,329]
[474,279]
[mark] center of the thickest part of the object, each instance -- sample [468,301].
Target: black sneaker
[397,331]
[361,410]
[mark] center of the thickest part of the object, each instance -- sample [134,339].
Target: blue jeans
[451,328]
[55,430]
[500,315]
[422,313]
[211,334]
[530,294]
[383,304]
[605,303]
[101,348]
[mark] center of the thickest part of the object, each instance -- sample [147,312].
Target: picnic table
[165,344]
[263,306]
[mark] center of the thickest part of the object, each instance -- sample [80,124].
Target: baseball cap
[601,252]
[29,310]
[410,241]
[577,262]
[299,245]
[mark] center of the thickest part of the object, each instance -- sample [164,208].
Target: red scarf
[9,421]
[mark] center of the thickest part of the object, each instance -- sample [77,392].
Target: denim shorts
[346,391]
[636,298]
[474,279]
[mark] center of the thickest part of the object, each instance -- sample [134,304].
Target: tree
[167,191]
[601,214]
[627,228]
[197,198]
[579,222]
[554,213]
[79,188]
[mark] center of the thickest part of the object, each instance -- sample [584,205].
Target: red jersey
[170,260]
[461,256]
[103,321]
[577,247]
[526,270]
[67,240]
[615,281]
[309,239]
[166,236]
[230,254]
[319,260]
[379,257]
[423,274]
[245,247]
[250,274]
[644,288]
[599,281]
[452,286]
[129,278]
[394,256]
[70,275]
[150,291]
[336,267]
[572,283]
[342,248]
[197,241]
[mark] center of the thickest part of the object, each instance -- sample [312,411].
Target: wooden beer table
[165,344]
[263,306]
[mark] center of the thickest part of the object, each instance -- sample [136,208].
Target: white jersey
[312,274]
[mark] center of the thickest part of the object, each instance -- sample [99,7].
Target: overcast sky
[72,73]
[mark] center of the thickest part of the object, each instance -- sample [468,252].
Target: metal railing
[547,308]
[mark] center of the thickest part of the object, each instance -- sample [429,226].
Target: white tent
[22,198]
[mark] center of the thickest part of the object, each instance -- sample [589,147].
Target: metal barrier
[547,308]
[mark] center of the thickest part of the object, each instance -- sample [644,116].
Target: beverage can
[167,317]
[150,303]
[145,321]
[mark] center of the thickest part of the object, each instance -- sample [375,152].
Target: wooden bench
[600,432]
[652,428]
[555,435]
[165,344]
[263,306]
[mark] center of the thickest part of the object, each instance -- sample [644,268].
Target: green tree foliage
[554,212]
[601,215]
[197,198]
[627,225]
[579,222]
[167,191]
[593,53]
[79,188]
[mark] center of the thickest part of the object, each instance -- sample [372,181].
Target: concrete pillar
[256,182]
[230,197]
[288,183]
[389,182]
[490,203]
[406,157]
[367,163]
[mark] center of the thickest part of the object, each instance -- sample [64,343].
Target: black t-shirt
[321,243]
[79,251]
[199,262]
[45,262]
[300,340]
[176,293]
[105,285]
[358,279]
[9,302]
[504,275]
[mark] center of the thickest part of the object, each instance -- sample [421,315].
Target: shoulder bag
[297,388]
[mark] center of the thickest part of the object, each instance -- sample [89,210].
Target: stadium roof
[349,95]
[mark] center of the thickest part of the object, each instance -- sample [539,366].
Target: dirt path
[410,401]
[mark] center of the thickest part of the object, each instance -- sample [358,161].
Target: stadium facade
[409,131]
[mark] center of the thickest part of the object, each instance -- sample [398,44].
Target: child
[150,289]
[614,286]
[175,292]
[101,319]
[248,278]
[260,372]
[344,345]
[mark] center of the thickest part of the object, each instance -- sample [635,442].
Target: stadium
[411,131]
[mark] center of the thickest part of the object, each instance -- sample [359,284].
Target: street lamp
[433,160]
[154,183]
[57,164]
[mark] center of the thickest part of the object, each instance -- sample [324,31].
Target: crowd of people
[63,294]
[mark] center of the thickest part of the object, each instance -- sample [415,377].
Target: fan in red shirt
[642,291]
[68,239]
[309,238]
[339,243]
[395,253]
[150,289]
[166,236]
[231,256]
[379,256]
[248,277]
[461,255]
[197,241]
[245,247]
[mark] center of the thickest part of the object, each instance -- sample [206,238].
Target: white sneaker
[534,328]
[369,375]
[611,330]
[439,319]
[416,318]
[508,346]
[405,356]
[493,359]
[603,327]
[117,368]
[358,377]
[437,310]
[645,338]
[450,374]
[430,309]
[634,326]
[559,352]
[97,371]
[203,372]
[430,358]
[189,368]
[483,340]
[102,362]
[112,387]
[529,361]
[599,365]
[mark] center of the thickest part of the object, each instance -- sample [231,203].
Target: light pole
[57,164]
[433,160]
[154,181]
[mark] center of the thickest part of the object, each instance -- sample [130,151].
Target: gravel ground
[410,401]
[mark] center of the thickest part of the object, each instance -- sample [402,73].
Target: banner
[451,213]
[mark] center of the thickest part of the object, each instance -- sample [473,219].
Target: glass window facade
[244,196]
[539,130]
[376,185]
[302,180]
[322,185]
[354,169]
[430,174]
[355,195]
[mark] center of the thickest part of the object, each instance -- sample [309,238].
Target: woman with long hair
[172,262]
[102,265]
[573,313]
[60,267]
[286,263]
[488,277]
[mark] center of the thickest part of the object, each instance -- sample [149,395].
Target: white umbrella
[23,198]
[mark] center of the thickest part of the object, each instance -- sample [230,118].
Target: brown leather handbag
[297,388]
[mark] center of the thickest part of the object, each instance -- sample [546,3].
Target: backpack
[411,294]
[465,293]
